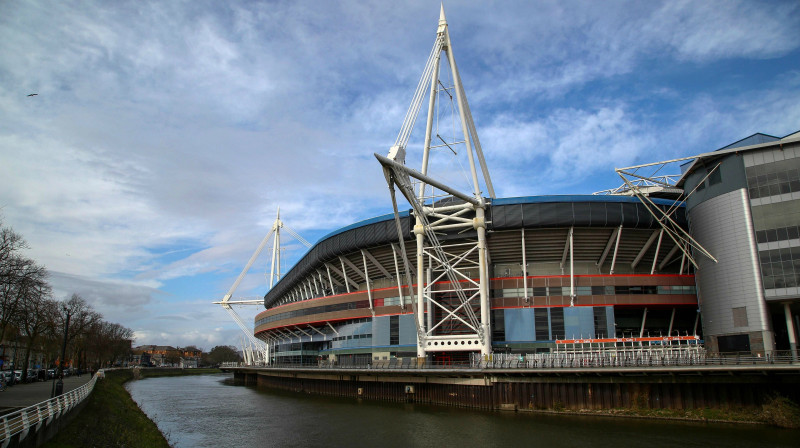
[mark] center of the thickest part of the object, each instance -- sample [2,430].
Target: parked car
[51,373]
[7,376]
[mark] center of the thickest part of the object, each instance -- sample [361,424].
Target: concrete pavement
[24,395]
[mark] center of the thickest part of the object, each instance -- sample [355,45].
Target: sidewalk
[24,395]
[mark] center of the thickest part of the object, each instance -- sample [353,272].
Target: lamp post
[14,361]
[59,385]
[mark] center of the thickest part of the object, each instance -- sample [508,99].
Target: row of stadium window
[772,179]
[780,268]
[714,177]
[353,336]
[782,234]
[512,326]
[776,221]
[556,291]
[544,291]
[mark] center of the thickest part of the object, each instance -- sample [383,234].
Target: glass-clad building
[745,210]
[570,269]
[347,298]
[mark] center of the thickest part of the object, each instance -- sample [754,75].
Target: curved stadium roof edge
[506,201]
[532,212]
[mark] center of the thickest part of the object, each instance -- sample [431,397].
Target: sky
[165,135]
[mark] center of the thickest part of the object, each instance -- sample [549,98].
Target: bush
[110,419]
[781,412]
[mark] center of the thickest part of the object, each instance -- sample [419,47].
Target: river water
[209,411]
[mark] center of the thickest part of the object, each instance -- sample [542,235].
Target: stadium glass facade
[622,281]
[747,212]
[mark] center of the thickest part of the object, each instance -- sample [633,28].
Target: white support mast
[259,350]
[452,323]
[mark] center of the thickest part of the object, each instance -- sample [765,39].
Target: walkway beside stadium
[23,395]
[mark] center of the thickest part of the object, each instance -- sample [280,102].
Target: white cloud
[165,135]
[726,29]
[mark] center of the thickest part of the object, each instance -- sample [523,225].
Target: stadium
[708,258]
[562,268]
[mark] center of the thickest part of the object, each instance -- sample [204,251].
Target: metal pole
[429,122]
[276,251]
[616,248]
[462,115]
[671,321]
[524,267]
[14,362]
[419,232]
[480,224]
[790,329]
[60,384]
[571,270]
[429,302]
[644,319]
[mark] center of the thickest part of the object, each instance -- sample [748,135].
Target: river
[209,411]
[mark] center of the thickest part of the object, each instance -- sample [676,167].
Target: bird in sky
[32,94]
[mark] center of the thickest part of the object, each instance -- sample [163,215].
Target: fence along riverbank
[574,378]
[33,425]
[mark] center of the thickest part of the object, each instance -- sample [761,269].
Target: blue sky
[166,134]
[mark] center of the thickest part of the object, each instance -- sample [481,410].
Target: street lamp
[14,361]
[59,385]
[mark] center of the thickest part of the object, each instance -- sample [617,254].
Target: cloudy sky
[165,134]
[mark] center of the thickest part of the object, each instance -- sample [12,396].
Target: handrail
[637,358]
[20,422]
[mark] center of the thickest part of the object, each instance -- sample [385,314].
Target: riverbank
[779,412]
[112,419]
[742,397]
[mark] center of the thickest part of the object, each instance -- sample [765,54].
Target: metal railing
[630,357]
[34,417]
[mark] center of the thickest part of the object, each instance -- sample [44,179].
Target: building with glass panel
[745,210]
[346,300]
[566,269]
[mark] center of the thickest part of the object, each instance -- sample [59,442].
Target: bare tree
[28,311]
[10,265]
[81,318]
[108,343]
[10,243]
[19,278]
[36,316]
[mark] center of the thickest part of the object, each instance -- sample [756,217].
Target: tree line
[218,355]
[33,322]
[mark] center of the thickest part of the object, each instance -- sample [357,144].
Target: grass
[778,411]
[112,419]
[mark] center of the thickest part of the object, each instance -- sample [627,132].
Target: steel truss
[257,351]
[454,317]
[642,186]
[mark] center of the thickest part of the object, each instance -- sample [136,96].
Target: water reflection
[209,411]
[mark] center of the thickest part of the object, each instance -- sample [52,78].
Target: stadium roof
[504,214]
[753,142]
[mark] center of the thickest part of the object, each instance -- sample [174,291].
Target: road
[24,395]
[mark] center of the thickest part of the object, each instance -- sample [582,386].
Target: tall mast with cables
[261,352]
[453,317]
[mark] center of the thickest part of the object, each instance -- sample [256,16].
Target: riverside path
[27,394]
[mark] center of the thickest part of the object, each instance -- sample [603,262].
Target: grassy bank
[112,419]
[779,411]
